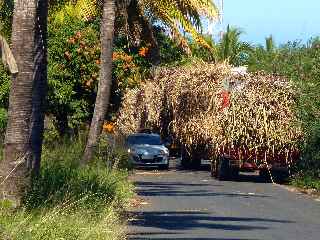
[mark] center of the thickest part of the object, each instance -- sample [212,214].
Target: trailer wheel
[234,173]
[280,176]
[223,170]
[264,175]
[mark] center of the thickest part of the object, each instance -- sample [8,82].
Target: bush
[307,179]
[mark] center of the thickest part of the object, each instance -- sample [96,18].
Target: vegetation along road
[191,205]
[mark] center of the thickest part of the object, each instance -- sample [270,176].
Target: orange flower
[115,56]
[128,58]
[143,51]
[108,127]
[98,61]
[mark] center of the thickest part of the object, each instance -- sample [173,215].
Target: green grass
[308,180]
[61,222]
[69,202]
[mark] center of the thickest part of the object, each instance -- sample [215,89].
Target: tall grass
[69,202]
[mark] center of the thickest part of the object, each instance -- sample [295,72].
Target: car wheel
[223,171]
[164,167]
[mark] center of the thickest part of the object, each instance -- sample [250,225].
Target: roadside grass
[69,202]
[307,180]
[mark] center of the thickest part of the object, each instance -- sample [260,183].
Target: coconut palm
[104,87]
[178,16]
[25,120]
[232,48]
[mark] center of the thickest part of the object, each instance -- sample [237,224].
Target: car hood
[148,149]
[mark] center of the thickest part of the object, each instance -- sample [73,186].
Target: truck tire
[223,170]
[234,173]
[264,175]
[280,176]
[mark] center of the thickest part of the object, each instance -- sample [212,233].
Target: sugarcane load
[238,120]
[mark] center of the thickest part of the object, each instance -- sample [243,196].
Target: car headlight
[131,151]
[164,152]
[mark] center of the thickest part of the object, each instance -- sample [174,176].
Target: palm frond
[182,15]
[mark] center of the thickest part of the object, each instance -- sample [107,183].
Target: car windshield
[139,140]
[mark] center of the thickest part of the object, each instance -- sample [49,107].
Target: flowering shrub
[74,64]
[129,69]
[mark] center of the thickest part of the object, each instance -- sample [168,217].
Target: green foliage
[74,64]
[129,67]
[269,44]
[74,53]
[208,55]
[113,153]
[4,86]
[62,180]
[6,12]
[62,222]
[308,179]
[231,48]
[3,121]
[170,52]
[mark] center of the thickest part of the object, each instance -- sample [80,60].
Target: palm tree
[232,48]
[40,84]
[104,87]
[26,98]
[270,44]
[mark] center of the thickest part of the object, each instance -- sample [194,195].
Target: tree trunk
[18,159]
[105,82]
[40,84]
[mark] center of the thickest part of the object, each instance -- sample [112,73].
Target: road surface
[191,205]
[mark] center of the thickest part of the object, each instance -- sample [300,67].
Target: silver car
[147,150]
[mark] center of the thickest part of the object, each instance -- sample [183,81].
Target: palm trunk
[40,84]
[18,159]
[105,82]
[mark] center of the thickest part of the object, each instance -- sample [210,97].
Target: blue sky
[284,19]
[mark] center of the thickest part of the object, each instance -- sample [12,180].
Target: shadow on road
[177,238]
[147,189]
[182,221]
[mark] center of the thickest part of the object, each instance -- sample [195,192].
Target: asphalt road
[191,205]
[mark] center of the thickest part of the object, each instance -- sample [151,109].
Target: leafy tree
[74,53]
